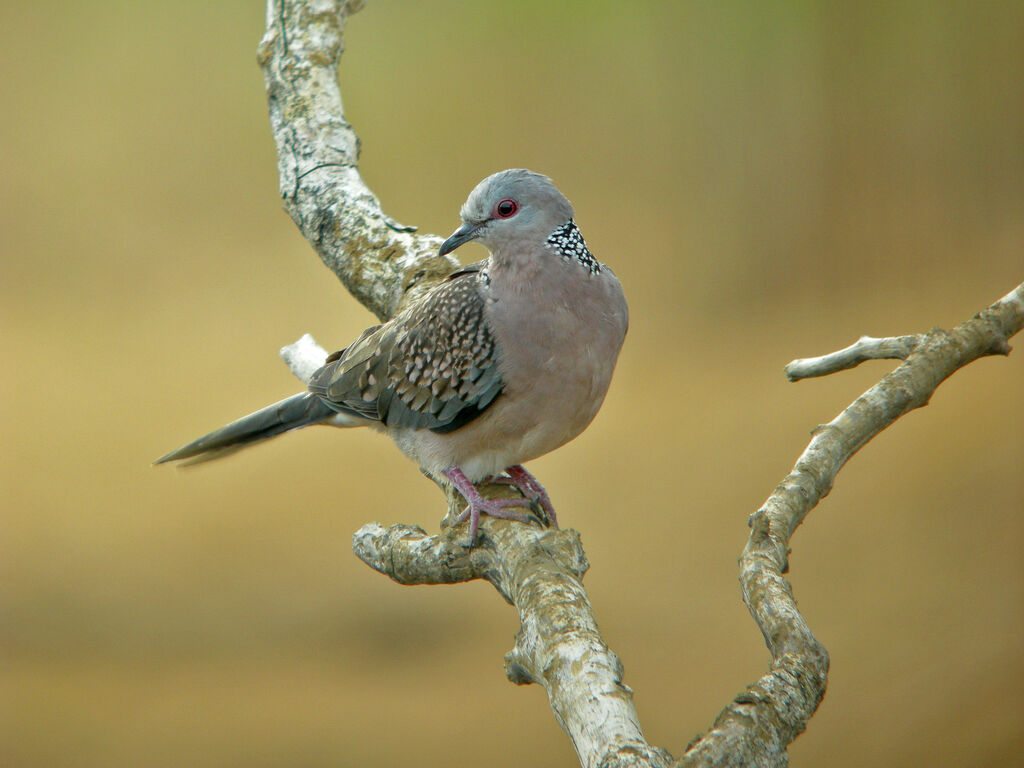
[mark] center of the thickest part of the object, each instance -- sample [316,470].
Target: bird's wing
[434,366]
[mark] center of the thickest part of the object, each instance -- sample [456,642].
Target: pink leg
[531,489]
[477,504]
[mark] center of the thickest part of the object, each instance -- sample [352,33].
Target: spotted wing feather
[432,367]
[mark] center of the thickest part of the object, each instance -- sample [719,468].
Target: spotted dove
[504,361]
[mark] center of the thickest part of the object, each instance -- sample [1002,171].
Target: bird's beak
[463,234]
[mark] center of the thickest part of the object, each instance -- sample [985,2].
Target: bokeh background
[769,180]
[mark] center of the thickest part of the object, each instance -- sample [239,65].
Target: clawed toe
[529,487]
[499,508]
[477,505]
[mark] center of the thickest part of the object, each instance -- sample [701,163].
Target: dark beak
[463,234]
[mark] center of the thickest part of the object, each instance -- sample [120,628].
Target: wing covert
[434,366]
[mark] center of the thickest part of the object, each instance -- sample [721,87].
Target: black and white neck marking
[569,243]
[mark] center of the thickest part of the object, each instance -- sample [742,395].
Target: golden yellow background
[769,180]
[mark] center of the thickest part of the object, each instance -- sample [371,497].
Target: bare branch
[303,357]
[539,571]
[383,266]
[381,263]
[758,725]
[865,348]
[558,646]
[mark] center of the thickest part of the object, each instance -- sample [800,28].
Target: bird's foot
[477,504]
[531,489]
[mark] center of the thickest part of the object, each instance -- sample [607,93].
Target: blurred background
[769,181]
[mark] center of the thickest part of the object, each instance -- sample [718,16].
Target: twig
[303,357]
[865,348]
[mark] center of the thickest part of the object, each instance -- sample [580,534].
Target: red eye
[506,208]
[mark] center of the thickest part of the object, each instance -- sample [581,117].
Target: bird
[500,363]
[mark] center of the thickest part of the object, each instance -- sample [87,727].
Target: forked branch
[540,571]
[756,727]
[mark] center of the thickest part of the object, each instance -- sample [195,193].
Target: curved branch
[758,725]
[539,571]
[382,263]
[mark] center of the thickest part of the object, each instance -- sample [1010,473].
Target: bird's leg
[528,485]
[477,504]
[531,489]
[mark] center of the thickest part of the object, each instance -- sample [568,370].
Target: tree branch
[865,348]
[540,571]
[384,266]
[303,357]
[381,263]
[758,725]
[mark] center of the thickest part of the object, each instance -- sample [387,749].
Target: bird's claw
[532,489]
[476,504]
[499,508]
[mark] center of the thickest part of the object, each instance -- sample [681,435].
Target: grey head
[508,210]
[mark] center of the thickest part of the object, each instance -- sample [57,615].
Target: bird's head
[508,210]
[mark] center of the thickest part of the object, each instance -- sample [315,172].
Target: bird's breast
[557,343]
[558,339]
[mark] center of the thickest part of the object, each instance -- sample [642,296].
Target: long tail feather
[291,413]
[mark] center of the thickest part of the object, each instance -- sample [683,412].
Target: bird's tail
[291,413]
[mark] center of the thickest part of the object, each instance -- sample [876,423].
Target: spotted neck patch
[570,244]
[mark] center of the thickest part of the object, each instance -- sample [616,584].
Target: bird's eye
[506,208]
